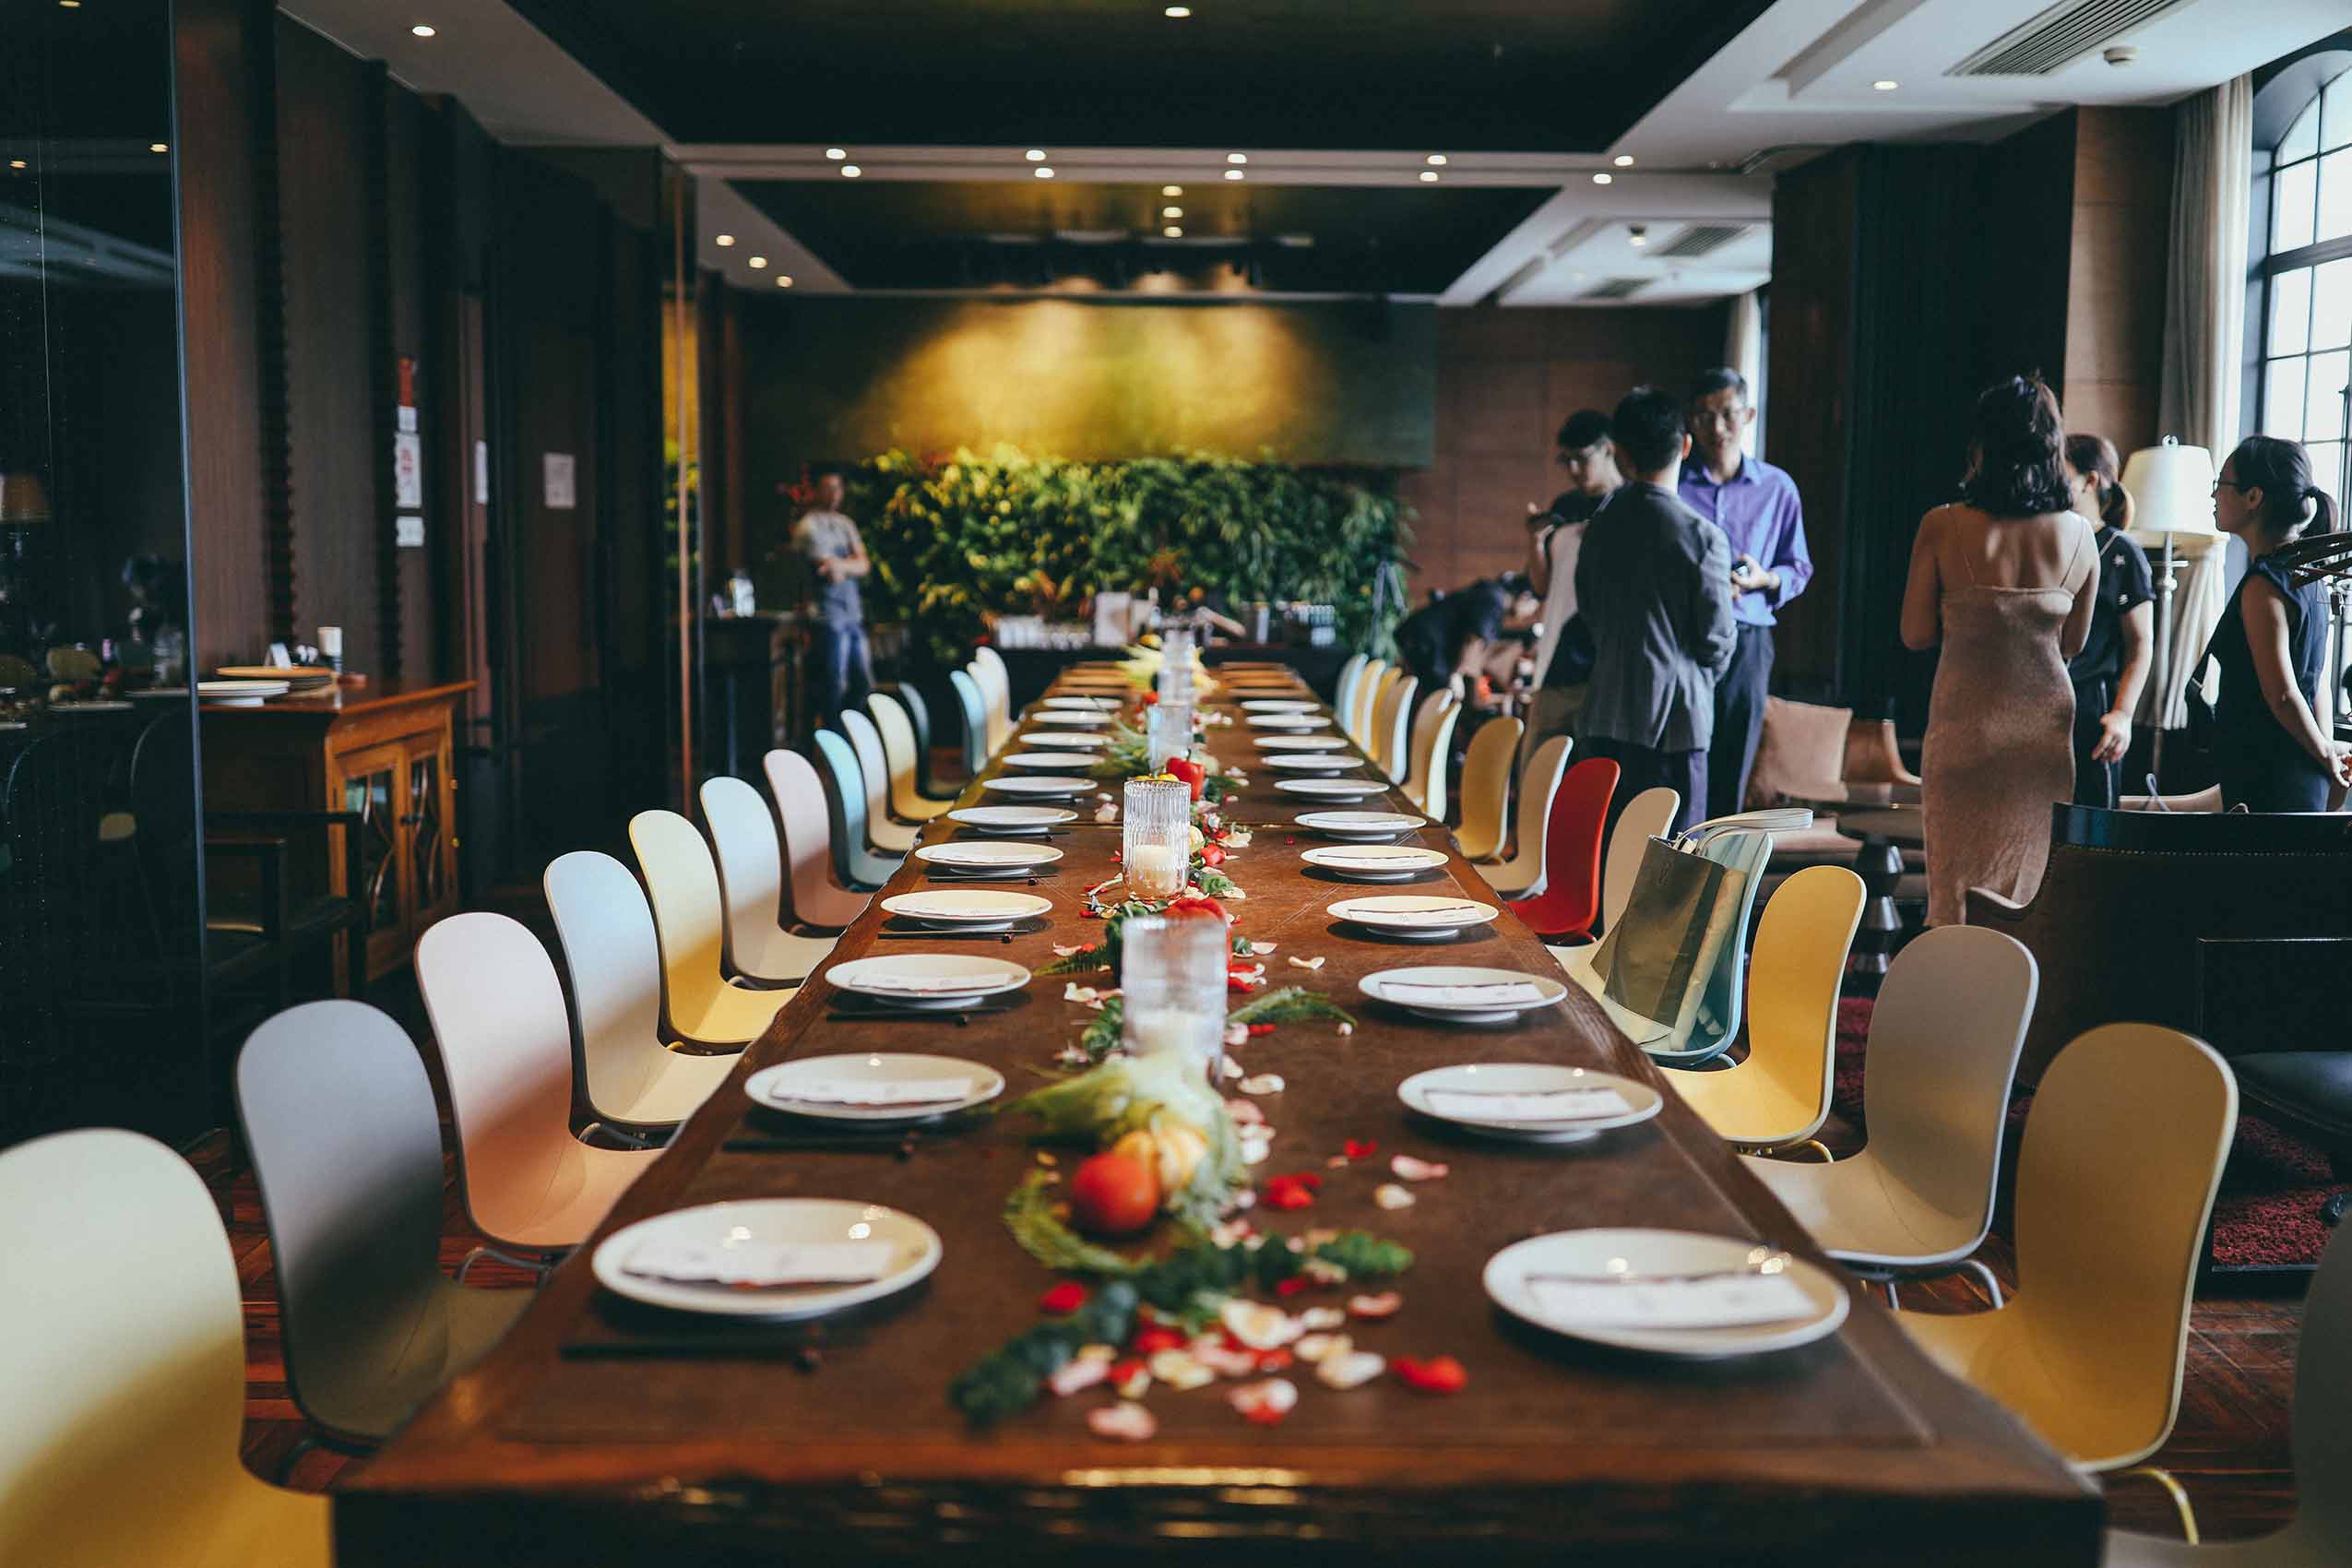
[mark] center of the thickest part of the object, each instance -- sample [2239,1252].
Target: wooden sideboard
[384,751]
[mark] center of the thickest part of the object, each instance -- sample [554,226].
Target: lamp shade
[22,499]
[2171,489]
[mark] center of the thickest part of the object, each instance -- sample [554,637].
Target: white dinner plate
[1313,762]
[1289,722]
[1300,743]
[927,980]
[1634,1256]
[1642,1102]
[970,859]
[982,909]
[1083,740]
[1425,915]
[1473,995]
[1012,819]
[1359,826]
[1331,788]
[108,704]
[1375,862]
[1051,785]
[1280,705]
[1044,760]
[914,1252]
[1080,705]
[823,1078]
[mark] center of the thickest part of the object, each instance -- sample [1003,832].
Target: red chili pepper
[1150,1340]
[1064,1298]
[1359,1148]
[1261,1028]
[1439,1374]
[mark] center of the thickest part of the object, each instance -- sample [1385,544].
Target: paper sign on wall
[560,476]
[408,533]
[408,470]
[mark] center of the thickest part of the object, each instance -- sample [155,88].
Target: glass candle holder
[1176,665]
[1167,732]
[1171,976]
[1156,849]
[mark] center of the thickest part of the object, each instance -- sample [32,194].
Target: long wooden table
[1854,1449]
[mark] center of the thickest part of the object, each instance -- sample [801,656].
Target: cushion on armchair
[1802,750]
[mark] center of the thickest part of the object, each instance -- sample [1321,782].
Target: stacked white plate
[1463,994]
[1047,785]
[1300,743]
[1419,915]
[241,694]
[1280,705]
[1076,740]
[1080,705]
[830,1254]
[1331,788]
[881,1087]
[1530,1101]
[1362,827]
[964,858]
[1672,1293]
[1012,820]
[973,911]
[1314,762]
[1042,761]
[1375,862]
[1289,722]
[932,980]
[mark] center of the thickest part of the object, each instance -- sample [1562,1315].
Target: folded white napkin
[761,1263]
[1724,1300]
[1497,994]
[872,1091]
[1552,1105]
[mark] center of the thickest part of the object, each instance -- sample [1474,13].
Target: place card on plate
[1550,1105]
[1731,1299]
[763,1264]
[876,1091]
[1512,993]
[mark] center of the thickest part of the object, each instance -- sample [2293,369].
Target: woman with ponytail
[2113,666]
[2270,748]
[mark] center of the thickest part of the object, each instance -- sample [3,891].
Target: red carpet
[2268,1213]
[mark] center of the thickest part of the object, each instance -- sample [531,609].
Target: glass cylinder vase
[1156,852]
[1172,979]
[1176,665]
[1167,732]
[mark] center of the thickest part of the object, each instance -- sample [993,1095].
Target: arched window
[2306,279]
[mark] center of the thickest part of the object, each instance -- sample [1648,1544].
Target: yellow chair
[1432,749]
[1779,1093]
[898,751]
[1485,788]
[2116,1176]
[1521,876]
[681,881]
[1368,700]
[1389,718]
[122,1347]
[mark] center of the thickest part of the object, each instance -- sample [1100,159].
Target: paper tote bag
[1656,960]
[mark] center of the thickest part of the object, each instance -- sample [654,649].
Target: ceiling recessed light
[1428,176]
[1179,12]
[1171,190]
[15,163]
[1623,160]
[1171,212]
[1604,178]
[1886,84]
[783,280]
[1233,175]
[422,29]
[1035,155]
[850,171]
[69,4]
[1174,232]
[724,240]
[836,153]
[1043,173]
[1237,158]
[1437,161]
[758,262]
[159,147]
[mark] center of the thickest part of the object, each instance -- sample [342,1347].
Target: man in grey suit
[1653,584]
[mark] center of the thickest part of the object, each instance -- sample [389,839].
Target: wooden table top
[1847,1446]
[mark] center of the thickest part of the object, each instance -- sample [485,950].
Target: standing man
[1563,654]
[842,671]
[1755,504]
[1655,581]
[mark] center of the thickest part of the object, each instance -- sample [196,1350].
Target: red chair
[1570,901]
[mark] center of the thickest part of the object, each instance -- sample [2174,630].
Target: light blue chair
[975,710]
[856,866]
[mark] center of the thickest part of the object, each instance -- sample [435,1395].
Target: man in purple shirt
[1755,504]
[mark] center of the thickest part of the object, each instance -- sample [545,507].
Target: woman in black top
[2113,666]
[2271,751]
[1449,635]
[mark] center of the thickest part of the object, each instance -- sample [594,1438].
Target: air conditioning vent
[1700,238]
[2060,36]
[1616,288]
[1774,159]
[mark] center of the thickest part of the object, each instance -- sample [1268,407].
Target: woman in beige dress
[2005,579]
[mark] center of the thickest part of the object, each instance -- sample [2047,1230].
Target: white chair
[683,885]
[805,830]
[1521,876]
[874,769]
[1431,750]
[900,752]
[530,1187]
[604,929]
[996,683]
[1944,1037]
[1648,815]
[1343,696]
[742,836]
[1391,721]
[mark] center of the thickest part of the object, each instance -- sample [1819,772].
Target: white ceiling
[1801,77]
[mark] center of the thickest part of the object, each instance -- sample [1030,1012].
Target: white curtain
[1743,352]
[2204,333]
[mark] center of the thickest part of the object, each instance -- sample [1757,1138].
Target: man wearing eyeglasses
[1563,651]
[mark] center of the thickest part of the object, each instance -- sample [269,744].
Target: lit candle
[1173,1028]
[330,641]
[1155,871]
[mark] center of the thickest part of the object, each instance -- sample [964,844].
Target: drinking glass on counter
[1156,849]
[1172,975]
[1176,665]
[1167,731]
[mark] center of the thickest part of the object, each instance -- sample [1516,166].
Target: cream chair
[988,672]
[1485,788]
[1648,815]
[1368,700]
[1343,696]
[691,919]
[122,1347]
[1779,1093]
[1950,1020]
[530,1187]
[1432,750]
[742,839]
[898,757]
[2115,1175]
[873,777]
[627,1077]
[1521,876]
[805,831]
[1390,717]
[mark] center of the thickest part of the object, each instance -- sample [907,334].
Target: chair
[873,774]
[1344,693]
[2320,1535]
[742,836]
[691,919]
[1390,717]
[1951,1016]
[899,755]
[1648,815]
[806,834]
[1570,900]
[996,697]
[627,1078]
[2115,1175]
[1522,874]
[530,1188]
[1367,677]
[974,708]
[121,1343]
[347,1150]
[845,798]
[1485,788]
[919,716]
[1779,1093]
[1368,703]
[1432,752]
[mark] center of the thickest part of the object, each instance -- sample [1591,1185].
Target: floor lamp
[2172,490]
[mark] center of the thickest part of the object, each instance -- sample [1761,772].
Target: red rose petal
[1064,1298]
[1439,1374]
[1293,1285]
[1150,1341]
[1261,1028]
[1360,1148]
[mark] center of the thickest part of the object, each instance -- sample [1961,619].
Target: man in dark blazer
[1653,584]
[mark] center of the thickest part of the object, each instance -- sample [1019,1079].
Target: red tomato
[1113,1195]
